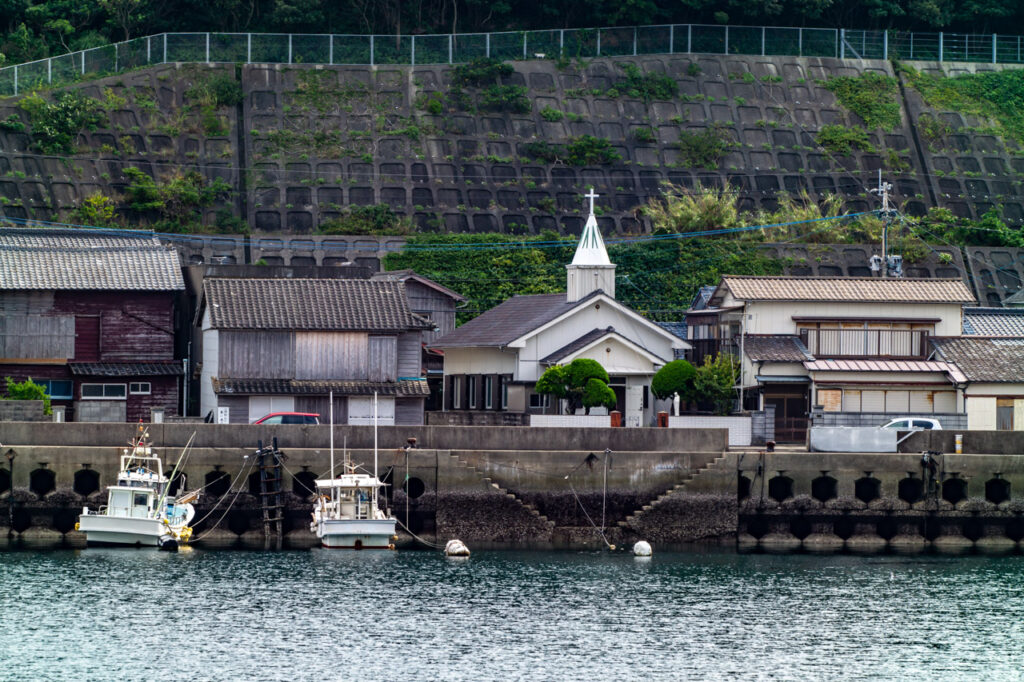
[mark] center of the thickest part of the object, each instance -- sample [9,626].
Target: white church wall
[479,361]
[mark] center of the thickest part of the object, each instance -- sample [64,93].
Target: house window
[539,400]
[140,388]
[471,392]
[504,393]
[489,393]
[1004,414]
[456,392]
[104,391]
[57,389]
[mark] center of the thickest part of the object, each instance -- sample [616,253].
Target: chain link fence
[585,43]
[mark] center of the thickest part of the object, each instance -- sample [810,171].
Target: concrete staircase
[489,483]
[628,522]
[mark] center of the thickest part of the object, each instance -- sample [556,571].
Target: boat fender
[76,525]
[391,546]
[642,548]
[456,548]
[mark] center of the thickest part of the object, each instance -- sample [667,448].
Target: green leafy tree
[675,378]
[175,203]
[715,382]
[27,390]
[579,383]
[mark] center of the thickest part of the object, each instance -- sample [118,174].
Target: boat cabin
[350,496]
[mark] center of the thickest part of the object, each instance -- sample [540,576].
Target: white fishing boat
[347,512]
[139,511]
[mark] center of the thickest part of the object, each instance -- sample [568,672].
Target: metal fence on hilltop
[586,43]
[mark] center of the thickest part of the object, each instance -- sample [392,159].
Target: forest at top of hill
[33,29]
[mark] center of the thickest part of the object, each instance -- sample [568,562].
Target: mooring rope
[417,537]
[252,462]
[580,503]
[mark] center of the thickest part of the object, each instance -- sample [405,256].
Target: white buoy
[642,548]
[456,548]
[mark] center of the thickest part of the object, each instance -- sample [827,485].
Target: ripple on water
[127,614]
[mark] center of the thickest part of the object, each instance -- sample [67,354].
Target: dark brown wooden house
[91,316]
[283,345]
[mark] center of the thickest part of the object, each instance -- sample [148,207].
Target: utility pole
[883,190]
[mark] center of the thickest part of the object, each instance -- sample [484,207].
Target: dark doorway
[790,413]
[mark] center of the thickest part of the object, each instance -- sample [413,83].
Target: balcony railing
[866,343]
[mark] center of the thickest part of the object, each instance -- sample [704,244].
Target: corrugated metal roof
[847,289]
[408,388]
[310,304]
[79,259]
[897,366]
[996,360]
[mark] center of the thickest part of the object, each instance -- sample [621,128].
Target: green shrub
[647,86]
[872,96]
[553,115]
[27,390]
[583,383]
[431,102]
[542,150]
[704,149]
[842,140]
[643,135]
[680,209]
[511,98]
[480,72]
[693,69]
[56,125]
[96,210]
[932,129]
[219,90]
[675,378]
[587,150]
[997,95]
[176,203]
[358,220]
[12,124]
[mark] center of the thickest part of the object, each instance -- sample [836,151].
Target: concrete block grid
[465,172]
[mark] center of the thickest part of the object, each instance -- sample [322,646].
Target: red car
[289,418]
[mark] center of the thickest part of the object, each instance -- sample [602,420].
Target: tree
[582,383]
[715,382]
[675,378]
[27,390]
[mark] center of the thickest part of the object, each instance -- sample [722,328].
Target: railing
[290,48]
[865,343]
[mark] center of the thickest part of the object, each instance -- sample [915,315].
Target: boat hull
[356,533]
[114,530]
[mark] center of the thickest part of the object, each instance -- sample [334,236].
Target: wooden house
[91,317]
[282,345]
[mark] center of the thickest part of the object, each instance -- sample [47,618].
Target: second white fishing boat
[347,512]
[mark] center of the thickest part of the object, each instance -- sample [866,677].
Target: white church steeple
[590,269]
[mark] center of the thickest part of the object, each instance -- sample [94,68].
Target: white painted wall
[739,427]
[360,410]
[211,354]
[776,317]
[479,361]
[575,421]
[981,413]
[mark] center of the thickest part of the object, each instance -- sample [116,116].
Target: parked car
[913,424]
[289,418]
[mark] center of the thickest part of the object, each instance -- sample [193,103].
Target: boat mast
[375,480]
[330,398]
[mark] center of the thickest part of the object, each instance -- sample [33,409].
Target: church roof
[510,320]
[590,250]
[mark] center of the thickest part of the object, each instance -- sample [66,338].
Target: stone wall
[22,411]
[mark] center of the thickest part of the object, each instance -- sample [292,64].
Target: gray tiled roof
[406,388]
[675,328]
[775,348]
[126,369]
[994,321]
[847,289]
[70,259]
[508,321]
[310,304]
[997,360]
[576,345]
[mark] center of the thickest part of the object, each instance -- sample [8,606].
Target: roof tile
[996,360]
[310,304]
[847,289]
[994,321]
[775,348]
[80,259]
[406,388]
[509,320]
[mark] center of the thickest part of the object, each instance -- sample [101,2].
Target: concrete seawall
[529,487]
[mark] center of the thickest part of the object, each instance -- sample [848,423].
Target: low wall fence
[575,421]
[740,427]
[947,420]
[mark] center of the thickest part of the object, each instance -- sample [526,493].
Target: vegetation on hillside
[39,28]
[872,96]
[995,95]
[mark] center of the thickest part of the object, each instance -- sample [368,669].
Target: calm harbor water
[111,614]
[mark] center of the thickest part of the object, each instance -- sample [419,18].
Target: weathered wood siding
[319,405]
[256,354]
[331,355]
[35,336]
[409,411]
[410,354]
[383,359]
[133,326]
[238,408]
[164,393]
[87,338]
[434,305]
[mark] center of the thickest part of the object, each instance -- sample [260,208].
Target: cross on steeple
[591,196]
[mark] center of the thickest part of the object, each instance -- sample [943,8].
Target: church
[492,362]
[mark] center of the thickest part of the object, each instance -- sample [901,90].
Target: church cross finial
[591,195]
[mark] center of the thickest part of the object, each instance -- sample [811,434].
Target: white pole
[375,436]
[330,397]
[207,48]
